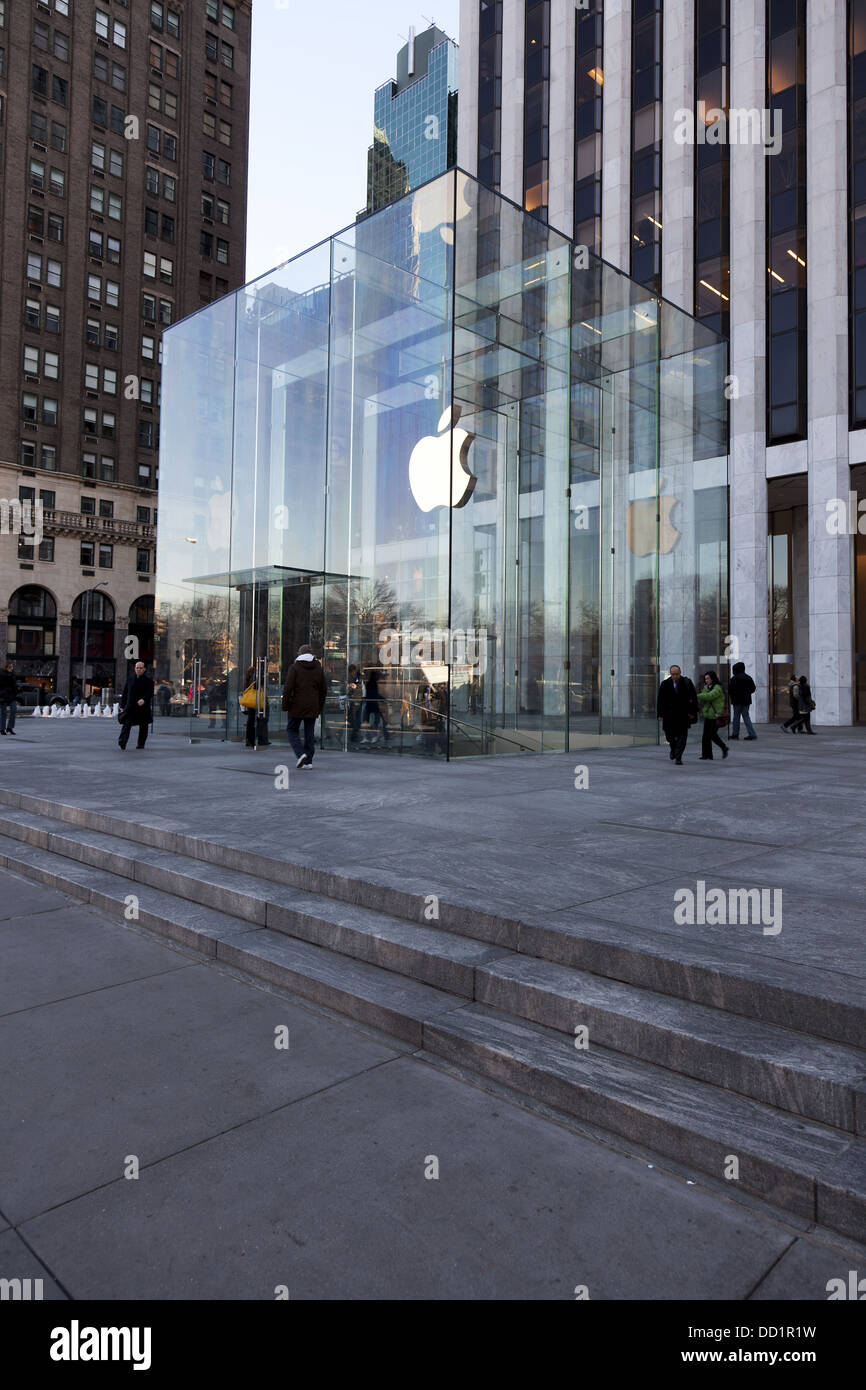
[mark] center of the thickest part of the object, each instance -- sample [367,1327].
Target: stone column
[678,161]
[746,474]
[616,135]
[467,101]
[513,30]
[561,120]
[64,654]
[830,597]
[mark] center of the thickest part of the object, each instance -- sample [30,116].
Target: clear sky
[315,67]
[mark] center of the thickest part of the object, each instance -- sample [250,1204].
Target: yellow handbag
[248,699]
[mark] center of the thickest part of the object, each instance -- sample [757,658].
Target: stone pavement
[305,1167]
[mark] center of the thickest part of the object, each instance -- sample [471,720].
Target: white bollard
[37,712]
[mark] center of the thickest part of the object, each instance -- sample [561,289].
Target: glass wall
[480,470]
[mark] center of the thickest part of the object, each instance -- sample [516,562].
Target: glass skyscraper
[415,120]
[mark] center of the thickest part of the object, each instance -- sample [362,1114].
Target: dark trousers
[801,721]
[354,719]
[257,735]
[142,735]
[709,737]
[742,711]
[8,710]
[309,744]
[375,714]
[677,739]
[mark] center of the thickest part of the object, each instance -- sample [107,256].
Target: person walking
[794,700]
[9,693]
[712,702]
[304,699]
[805,704]
[256,708]
[377,708]
[677,708]
[354,701]
[741,688]
[136,706]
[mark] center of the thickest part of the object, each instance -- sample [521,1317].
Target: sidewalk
[305,1167]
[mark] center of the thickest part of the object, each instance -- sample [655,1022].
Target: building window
[145,434]
[786,223]
[51,365]
[31,360]
[86,554]
[148,307]
[41,35]
[38,127]
[109,424]
[646,224]
[712,172]
[589,79]
[148,348]
[97,198]
[165,312]
[149,269]
[27,453]
[29,407]
[208,162]
[166,270]
[55,227]
[222,251]
[92,333]
[224,172]
[151,222]
[58,136]
[151,181]
[48,462]
[90,420]
[88,470]
[101,23]
[536,108]
[52,318]
[146,390]
[106,469]
[205,246]
[106,508]
[57,182]
[111,337]
[49,410]
[109,381]
[143,475]
[32,313]
[39,80]
[59,89]
[35,220]
[857,210]
[37,177]
[208,124]
[91,376]
[34,266]
[211,47]
[169,188]
[88,504]
[167,227]
[226,92]
[112,293]
[142,515]
[225,135]
[115,163]
[112,250]
[95,243]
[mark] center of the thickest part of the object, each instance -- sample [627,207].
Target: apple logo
[438,475]
[640,525]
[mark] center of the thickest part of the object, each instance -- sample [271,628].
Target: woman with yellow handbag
[256,708]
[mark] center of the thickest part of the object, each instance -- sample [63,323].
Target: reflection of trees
[196,628]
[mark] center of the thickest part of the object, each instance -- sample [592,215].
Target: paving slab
[329,1197]
[147,1068]
[18,1263]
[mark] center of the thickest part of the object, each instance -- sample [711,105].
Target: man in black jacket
[677,708]
[8,697]
[741,688]
[304,699]
[136,706]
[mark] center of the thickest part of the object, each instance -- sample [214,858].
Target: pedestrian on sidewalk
[794,700]
[136,706]
[304,699]
[805,705]
[712,702]
[9,693]
[256,712]
[677,708]
[741,688]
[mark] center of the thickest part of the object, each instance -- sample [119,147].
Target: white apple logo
[437,469]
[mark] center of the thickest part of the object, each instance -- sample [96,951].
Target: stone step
[821,1002]
[424,953]
[815,1171]
[807,1168]
[780,1067]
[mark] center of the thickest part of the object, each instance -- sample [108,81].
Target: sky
[315,67]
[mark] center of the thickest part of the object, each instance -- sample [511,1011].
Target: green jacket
[712,702]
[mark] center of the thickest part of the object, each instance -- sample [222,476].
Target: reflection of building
[123,190]
[415,120]
[610,121]
[520,620]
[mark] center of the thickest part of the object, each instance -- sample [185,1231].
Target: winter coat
[804,698]
[794,696]
[741,687]
[8,687]
[137,688]
[712,702]
[305,689]
[678,708]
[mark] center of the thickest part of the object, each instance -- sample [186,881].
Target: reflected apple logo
[438,474]
[641,523]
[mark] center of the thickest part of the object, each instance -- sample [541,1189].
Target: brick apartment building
[123,182]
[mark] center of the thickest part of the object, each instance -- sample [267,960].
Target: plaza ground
[305,1166]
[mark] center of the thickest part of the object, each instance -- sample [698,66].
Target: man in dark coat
[9,693]
[677,708]
[304,699]
[136,706]
[741,688]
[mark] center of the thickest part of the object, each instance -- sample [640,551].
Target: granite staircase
[698,1054]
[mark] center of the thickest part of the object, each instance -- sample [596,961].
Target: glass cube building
[480,470]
